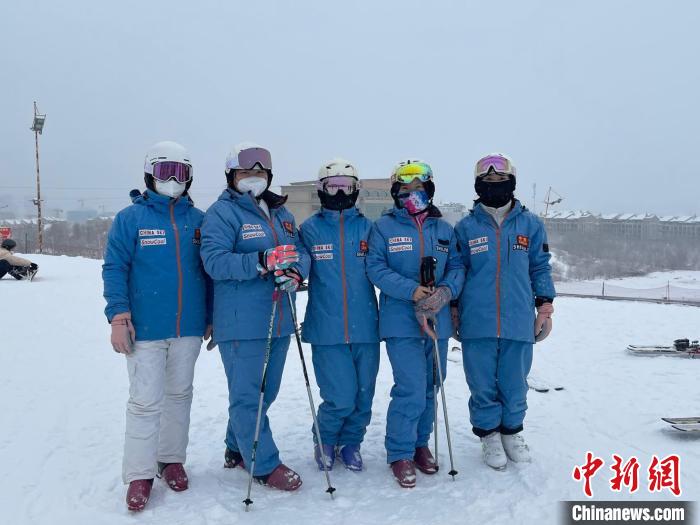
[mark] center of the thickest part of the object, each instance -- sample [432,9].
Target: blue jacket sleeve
[463,242]
[540,269]
[304,251]
[387,280]
[454,271]
[119,252]
[304,264]
[218,241]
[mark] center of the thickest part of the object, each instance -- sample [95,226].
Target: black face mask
[495,194]
[339,201]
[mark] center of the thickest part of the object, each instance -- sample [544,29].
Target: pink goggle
[164,171]
[495,162]
[332,185]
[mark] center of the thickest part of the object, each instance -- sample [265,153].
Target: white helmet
[337,167]
[166,151]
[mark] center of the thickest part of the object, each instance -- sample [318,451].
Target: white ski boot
[494,455]
[516,448]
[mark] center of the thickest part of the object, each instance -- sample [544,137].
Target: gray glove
[432,304]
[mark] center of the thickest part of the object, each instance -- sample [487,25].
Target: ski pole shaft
[268,349]
[436,353]
[435,411]
[292,307]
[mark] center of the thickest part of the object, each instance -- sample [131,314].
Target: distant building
[629,226]
[452,212]
[303,200]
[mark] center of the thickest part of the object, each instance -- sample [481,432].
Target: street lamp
[37,128]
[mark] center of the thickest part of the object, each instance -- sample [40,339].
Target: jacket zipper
[274,236]
[179,269]
[342,272]
[421,252]
[498,273]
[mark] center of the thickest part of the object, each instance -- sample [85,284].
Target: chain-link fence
[604,290]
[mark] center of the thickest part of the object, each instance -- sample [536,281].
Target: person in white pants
[159,307]
[158,410]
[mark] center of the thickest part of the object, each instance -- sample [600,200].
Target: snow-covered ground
[64,391]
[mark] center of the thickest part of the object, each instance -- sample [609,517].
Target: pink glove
[288,280]
[543,321]
[123,333]
[279,258]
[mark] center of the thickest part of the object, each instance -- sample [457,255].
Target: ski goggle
[164,171]
[250,158]
[497,162]
[332,185]
[408,173]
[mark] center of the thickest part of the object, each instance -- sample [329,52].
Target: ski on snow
[538,385]
[679,348]
[684,424]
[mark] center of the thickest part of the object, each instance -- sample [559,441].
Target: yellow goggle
[409,172]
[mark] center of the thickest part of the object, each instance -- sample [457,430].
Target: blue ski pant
[346,375]
[496,371]
[409,421]
[243,363]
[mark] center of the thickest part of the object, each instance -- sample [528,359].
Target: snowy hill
[64,392]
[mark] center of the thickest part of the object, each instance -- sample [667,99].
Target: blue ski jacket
[342,306]
[507,268]
[235,229]
[396,247]
[153,270]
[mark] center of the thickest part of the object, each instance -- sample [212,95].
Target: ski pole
[268,349]
[435,411]
[331,488]
[427,278]
[436,354]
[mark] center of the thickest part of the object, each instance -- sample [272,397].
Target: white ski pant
[158,410]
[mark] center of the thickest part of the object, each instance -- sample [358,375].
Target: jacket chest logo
[197,238]
[151,233]
[478,245]
[289,228]
[522,242]
[252,231]
[154,241]
[364,249]
[401,248]
[400,240]
[322,252]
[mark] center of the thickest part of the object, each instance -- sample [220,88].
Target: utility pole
[37,128]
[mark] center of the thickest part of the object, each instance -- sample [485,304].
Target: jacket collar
[403,215]
[247,200]
[163,202]
[481,214]
[335,214]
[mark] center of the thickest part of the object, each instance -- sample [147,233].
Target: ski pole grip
[427,271]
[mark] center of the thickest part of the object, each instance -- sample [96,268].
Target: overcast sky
[599,99]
